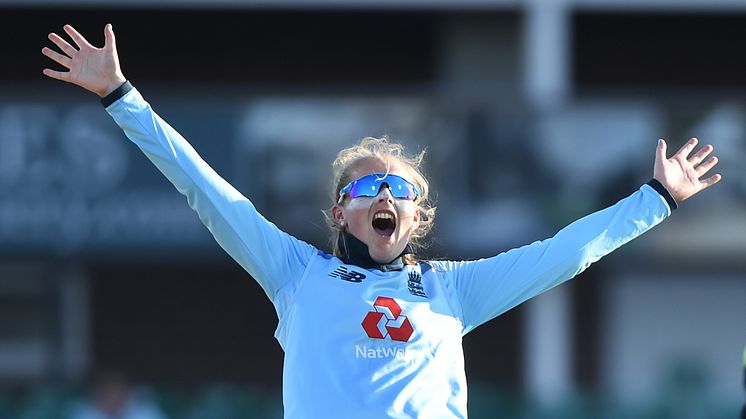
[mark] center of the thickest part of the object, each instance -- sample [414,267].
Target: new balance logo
[343,273]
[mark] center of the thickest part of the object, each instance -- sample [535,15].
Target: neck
[355,252]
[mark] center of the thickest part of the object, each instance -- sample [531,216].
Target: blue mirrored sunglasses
[370,185]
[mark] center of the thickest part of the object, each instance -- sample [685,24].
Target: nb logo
[343,273]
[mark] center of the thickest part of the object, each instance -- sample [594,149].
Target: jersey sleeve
[488,287]
[271,256]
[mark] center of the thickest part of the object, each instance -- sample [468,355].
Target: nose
[384,194]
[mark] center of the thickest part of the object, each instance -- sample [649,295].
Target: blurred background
[534,113]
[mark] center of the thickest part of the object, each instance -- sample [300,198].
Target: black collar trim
[355,252]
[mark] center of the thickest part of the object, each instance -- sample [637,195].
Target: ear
[417,217]
[338,215]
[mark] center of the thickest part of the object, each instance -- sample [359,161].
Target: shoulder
[440,266]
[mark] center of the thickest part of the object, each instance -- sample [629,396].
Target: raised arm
[271,256]
[491,286]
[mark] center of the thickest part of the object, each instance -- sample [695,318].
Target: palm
[681,173]
[90,66]
[94,69]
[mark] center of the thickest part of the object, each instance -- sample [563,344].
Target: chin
[384,249]
[386,255]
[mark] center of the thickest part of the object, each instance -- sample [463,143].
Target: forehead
[367,166]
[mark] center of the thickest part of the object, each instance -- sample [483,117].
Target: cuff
[664,193]
[116,94]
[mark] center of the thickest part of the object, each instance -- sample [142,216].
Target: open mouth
[384,223]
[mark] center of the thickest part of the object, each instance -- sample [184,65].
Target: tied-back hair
[372,148]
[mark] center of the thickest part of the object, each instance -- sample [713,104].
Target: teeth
[382,216]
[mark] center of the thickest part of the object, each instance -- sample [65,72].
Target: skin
[681,173]
[97,70]
[356,215]
[94,69]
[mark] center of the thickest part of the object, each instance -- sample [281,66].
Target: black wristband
[116,94]
[664,193]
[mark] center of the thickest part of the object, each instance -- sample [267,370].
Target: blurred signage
[70,181]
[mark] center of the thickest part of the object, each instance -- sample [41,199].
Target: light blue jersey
[367,343]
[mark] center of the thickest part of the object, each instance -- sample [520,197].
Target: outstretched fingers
[60,59]
[58,75]
[686,149]
[77,37]
[700,155]
[706,183]
[681,173]
[63,60]
[706,166]
[62,44]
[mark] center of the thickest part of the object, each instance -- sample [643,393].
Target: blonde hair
[384,150]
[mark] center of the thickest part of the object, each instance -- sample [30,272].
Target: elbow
[586,256]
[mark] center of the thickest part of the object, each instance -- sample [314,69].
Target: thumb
[660,151]
[110,41]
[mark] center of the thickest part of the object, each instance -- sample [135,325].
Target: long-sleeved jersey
[372,343]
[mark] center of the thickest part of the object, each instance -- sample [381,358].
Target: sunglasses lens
[364,187]
[402,189]
[371,184]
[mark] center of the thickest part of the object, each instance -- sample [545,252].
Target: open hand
[681,174]
[94,69]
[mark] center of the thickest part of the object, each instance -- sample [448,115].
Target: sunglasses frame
[378,181]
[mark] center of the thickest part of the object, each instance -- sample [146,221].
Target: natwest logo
[387,320]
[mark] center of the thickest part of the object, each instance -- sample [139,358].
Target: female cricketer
[371,330]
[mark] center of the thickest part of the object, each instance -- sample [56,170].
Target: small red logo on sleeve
[387,320]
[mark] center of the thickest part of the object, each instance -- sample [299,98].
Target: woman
[370,331]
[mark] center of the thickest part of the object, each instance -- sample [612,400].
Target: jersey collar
[355,252]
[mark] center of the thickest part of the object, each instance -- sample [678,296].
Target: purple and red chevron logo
[387,320]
